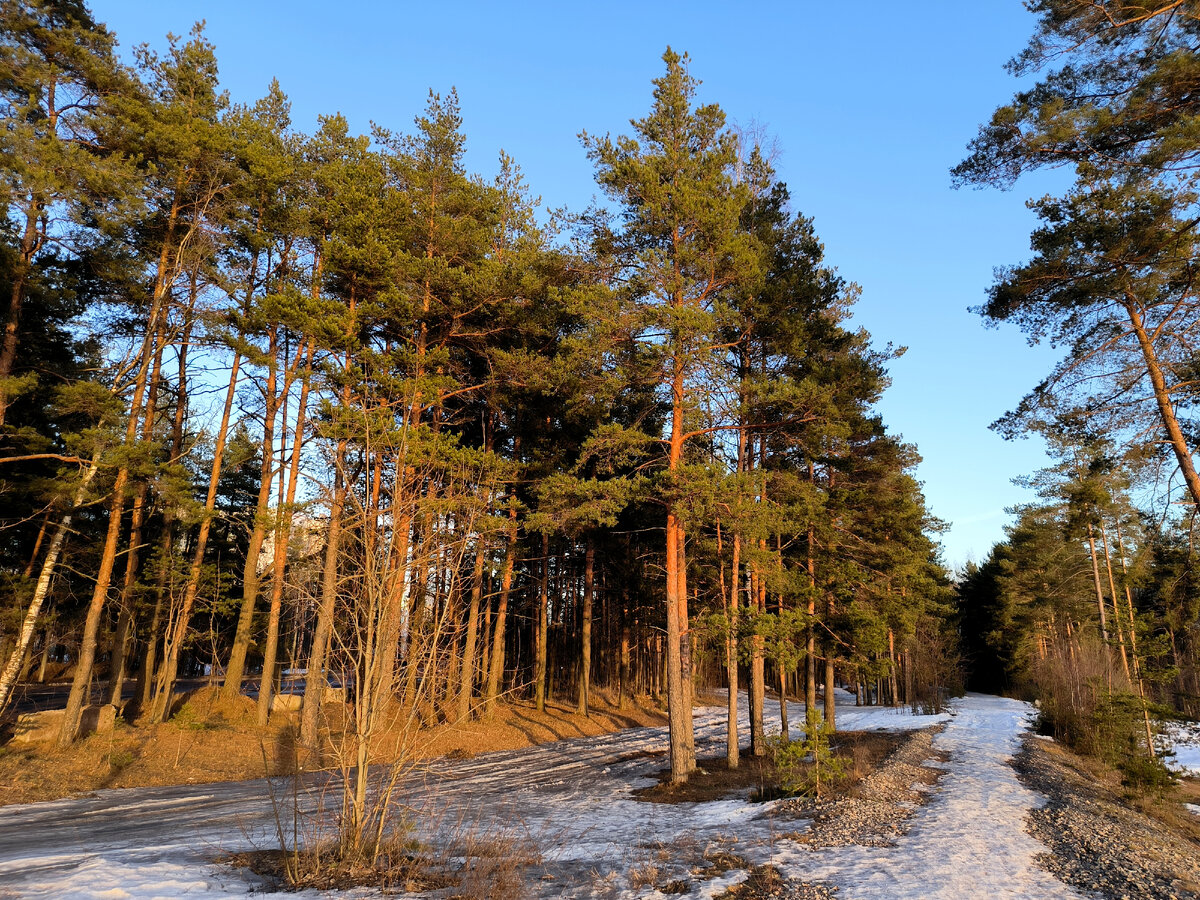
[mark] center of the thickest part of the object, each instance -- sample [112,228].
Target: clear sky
[871,104]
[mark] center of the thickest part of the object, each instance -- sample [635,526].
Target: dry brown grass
[866,751]
[1167,808]
[644,875]
[212,740]
[764,882]
[472,860]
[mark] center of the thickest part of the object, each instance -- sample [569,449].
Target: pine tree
[1112,274]
[177,125]
[680,245]
[56,65]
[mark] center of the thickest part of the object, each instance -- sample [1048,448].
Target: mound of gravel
[1099,844]
[878,810]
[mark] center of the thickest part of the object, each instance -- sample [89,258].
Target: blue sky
[871,104]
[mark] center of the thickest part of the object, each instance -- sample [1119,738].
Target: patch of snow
[574,800]
[721,884]
[1184,738]
[969,841]
[129,877]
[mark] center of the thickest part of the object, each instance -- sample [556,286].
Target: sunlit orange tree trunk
[681,246]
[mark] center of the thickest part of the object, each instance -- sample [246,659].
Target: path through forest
[574,798]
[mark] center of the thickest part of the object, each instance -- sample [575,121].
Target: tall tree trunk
[176,631]
[1137,671]
[675,696]
[235,668]
[315,681]
[810,647]
[138,512]
[1112,592]
[251,578]
[166,269]
[585,635]
[146,672]
[732,750]
[1096,580]
[685,657]
[677,715]
[623,676]
[758,736]
[485,659]
[283,530]
[496,672]
[543,629]
[145,680]
[37,544]
[894,685]
[45,577]
[397,614]
[1162,396]
[26,664]
[470,666]
[758,679]
[830,696]
[780,663]
[116,674]
[44,661]
[783,710]
[81,683]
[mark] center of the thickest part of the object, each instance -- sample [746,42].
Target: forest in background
[329,404]
[1092,605]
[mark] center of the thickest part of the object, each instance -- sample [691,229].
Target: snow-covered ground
[970,841]
[574,799]
[1184,739]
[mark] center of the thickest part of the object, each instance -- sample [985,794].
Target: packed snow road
[574,799]
[970,840]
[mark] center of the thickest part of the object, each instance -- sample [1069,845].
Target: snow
[1184,737]
[573,799]
[970,841]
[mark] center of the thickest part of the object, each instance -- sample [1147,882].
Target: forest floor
[939,811]
[211,740]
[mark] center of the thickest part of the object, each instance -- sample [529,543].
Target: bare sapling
[386,677]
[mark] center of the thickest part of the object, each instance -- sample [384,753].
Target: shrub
[808,767]
[1094,713]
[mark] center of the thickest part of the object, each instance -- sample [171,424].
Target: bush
[808,767]
[1084,707]
[1120,740]
[937,669]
